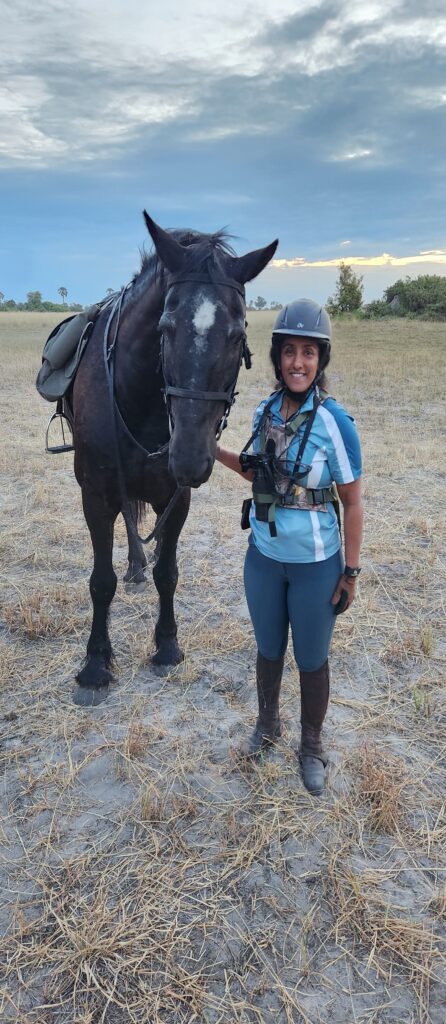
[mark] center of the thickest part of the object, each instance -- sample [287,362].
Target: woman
[303,443]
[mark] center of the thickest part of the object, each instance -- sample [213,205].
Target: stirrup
[67,445]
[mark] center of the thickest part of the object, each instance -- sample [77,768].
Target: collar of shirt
[276,406]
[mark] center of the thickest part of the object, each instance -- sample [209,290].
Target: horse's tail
[140,508]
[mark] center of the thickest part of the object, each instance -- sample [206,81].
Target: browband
[227,282]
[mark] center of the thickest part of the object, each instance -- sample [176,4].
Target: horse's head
[203,341]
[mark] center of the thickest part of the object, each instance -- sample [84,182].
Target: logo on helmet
[299,326]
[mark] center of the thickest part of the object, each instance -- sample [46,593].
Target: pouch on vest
[246,508]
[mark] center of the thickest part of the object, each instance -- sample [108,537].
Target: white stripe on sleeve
[338,444]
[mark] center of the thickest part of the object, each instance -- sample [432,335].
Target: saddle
[63,352]
[61,356]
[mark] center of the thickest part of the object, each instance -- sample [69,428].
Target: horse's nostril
[190,473]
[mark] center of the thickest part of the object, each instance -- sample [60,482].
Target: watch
[350,573]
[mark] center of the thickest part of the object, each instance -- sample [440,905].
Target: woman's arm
[231,461]
[351,498]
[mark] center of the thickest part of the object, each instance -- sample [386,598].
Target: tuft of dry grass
[381,781]
[137,740]
[437,903]
[43,616]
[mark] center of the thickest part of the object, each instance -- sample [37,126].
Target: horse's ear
[170,252]
[245,268]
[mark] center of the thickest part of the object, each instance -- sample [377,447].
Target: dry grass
[386,936]
[146,876]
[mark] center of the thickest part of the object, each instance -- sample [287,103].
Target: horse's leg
[165,575]
[137,559]
[94,678]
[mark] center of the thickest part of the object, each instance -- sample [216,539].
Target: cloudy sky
[318,121]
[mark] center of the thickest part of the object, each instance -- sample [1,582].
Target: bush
[376,309]
[423,296]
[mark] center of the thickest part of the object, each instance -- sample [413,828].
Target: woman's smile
[299,362]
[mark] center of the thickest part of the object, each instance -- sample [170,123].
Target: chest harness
[275,484]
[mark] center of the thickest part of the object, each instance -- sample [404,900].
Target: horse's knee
[103,586]
[165,580]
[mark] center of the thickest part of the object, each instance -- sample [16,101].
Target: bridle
[229,396]
[117,419]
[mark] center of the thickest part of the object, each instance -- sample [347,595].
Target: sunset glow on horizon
[437,256]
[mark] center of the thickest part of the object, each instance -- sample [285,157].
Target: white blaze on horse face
[204,318]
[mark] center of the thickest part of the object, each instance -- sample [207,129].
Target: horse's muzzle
[189,471]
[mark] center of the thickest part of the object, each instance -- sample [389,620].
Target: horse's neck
[138,373]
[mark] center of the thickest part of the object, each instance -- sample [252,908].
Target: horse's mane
[198,248]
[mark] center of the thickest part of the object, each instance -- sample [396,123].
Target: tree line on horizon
[423,297]
[36,304]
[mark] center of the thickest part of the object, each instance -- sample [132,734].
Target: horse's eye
[166,325]
[237,337]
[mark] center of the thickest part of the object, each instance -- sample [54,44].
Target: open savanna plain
[145,874]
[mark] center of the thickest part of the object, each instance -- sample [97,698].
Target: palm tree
[63,294]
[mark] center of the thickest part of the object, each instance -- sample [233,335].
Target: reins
[116,416]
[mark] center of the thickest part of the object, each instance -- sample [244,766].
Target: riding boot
[314,689]
[267,728]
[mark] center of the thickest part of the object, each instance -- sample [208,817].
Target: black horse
[152,391]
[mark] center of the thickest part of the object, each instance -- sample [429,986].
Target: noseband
[228,397]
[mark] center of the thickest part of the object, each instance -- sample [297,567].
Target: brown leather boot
[267,728]
[314,690]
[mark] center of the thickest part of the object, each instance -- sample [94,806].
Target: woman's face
[299,362]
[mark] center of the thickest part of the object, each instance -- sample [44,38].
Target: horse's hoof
[94,675]
[169,653]
[134,588]
[135,578]
[90,697]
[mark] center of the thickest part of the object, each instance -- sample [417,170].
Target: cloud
[354,154]
[437,256]
[326,74]
[315,122]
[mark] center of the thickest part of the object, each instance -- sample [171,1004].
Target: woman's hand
[232,461]
[344,594]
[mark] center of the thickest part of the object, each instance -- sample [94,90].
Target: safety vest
[268,491]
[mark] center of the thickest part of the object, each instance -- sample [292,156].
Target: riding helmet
[308,319]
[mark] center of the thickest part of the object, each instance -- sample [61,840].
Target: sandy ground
[145,875]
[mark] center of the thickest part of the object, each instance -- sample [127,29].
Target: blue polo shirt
[332,453]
